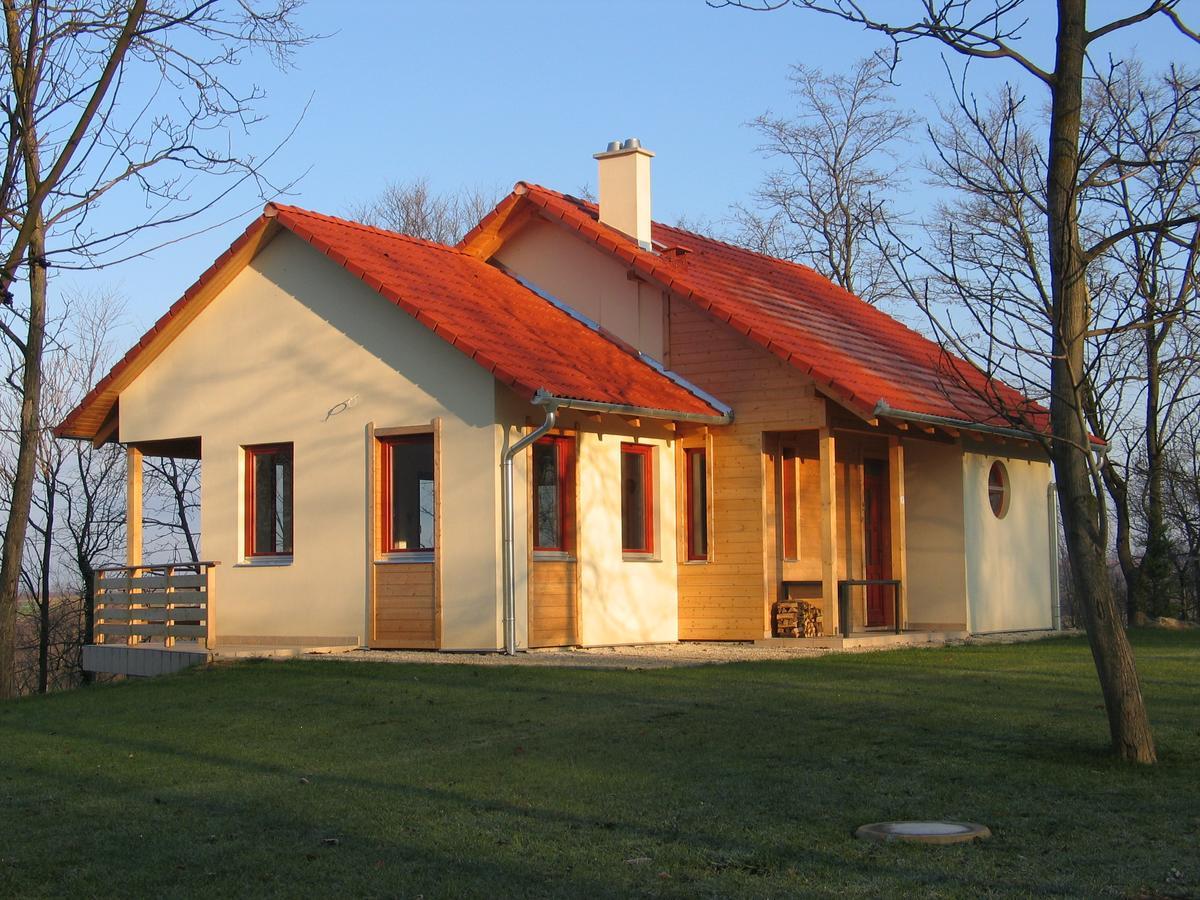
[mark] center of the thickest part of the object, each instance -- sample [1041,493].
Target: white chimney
[624,175]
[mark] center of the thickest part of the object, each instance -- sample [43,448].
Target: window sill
[264,562]
[697,562]
[404,558]
[553,556]
[641,557]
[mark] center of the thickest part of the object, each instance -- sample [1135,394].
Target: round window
[998,490]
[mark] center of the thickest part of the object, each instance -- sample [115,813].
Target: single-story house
[578,427]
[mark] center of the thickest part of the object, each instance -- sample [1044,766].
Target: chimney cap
[621,148]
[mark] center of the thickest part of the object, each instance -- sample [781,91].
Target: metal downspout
[509,521]
[1052,515]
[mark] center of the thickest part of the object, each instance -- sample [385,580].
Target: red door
[878,549]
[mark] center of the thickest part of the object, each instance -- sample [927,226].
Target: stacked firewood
[797,618]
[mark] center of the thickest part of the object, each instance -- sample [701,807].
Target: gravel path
[641,656]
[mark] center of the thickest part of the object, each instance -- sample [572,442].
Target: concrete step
[141,660]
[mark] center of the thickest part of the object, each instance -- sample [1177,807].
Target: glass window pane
[547,481]
[272,500]
[697,509]
[790,500]
[412,502]
[635,533]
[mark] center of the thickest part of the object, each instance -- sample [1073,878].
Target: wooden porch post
[133,506]
[829,579]
[896,518]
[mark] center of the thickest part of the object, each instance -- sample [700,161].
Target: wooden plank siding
[553,619]
[405,606]
[729,596]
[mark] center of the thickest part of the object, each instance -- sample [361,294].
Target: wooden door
[877,543]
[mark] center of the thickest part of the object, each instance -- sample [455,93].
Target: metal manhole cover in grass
[924,832]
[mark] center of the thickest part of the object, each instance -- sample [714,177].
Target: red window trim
[250,452]
[386,442]
[646,451]
[565,449]
[690,511]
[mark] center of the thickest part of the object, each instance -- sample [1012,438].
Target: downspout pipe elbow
[508,514]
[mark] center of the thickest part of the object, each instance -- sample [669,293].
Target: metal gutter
[883,410]
[624,409]
[1052,517]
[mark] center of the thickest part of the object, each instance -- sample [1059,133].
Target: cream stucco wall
[624,600]
[295,350]
[590,282]
[1008,559]
[935,539]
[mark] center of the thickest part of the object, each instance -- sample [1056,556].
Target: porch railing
[846,609]
[154,604]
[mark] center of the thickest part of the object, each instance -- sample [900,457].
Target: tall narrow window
[789,503]
[553,493]
[637,498]
[696,460]
[408,505]
[268,510]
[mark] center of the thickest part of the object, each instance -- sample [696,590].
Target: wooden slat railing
[155,603]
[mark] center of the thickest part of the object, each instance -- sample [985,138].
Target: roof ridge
[373,229]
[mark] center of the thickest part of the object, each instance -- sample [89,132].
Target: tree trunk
[89,614]
[1082,524]
[22,493]
[1118,490]
[1154,570]
[44,620]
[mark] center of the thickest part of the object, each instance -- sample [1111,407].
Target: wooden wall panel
[405,606]
[553,618]
[728,597]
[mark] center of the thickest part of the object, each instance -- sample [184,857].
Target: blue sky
[488,93]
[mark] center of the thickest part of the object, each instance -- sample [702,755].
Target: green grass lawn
[323,778]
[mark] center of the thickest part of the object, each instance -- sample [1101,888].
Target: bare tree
[99,99]
[991,31]
[987,255]
[1146,293]
[1181,511]
[416,209]
[173,503]
[828,203]
[77,500]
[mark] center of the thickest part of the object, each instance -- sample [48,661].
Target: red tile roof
[857,354]
[525,341]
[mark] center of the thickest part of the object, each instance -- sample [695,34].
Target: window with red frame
[789,503]
[408,505]
[268,511]
[696,462]
[637,498]
[554,493]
